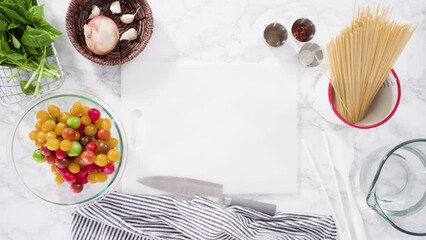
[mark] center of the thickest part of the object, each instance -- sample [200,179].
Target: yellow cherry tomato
[39,144]
[113,155]
[42,115]
[59,128]
[74,167]
[113,142]
[50,135]
[106,124]
[63,117]
[41,137]
[101,160]
[52,144]
[48,125]
[101,177]
[77,136]
[33,135]
[90,130]
[76,109]
[85,120]
[98,123]
[54,110]
[38,125]
[85,111]
[91,177]
[59,179]
[65,145]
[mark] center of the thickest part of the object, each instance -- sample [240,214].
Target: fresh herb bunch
[25,42]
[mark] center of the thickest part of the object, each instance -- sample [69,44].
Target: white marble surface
[23,218]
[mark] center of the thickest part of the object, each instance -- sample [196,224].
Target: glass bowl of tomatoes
[69,148]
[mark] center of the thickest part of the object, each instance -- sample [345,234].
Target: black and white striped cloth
[121,216]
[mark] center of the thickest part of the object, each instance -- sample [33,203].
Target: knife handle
[266,208]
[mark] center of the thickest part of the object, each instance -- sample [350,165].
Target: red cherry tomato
[90,168]
[76,187]
[45,151]
[51,159]
[69,177]
[91,146]
[60,154]
[109,168]
[82,179]
[94,114]
[68,133]
[104,134]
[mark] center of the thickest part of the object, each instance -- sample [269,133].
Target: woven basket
[78,14]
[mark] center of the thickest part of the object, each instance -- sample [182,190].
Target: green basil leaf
[49,28]
[4,25]
[30,89]
[36,37]
[31,51]
[16,14]
[16,42]
[13,25]
[12,55]
[35,14]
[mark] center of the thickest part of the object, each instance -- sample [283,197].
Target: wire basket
[10,91]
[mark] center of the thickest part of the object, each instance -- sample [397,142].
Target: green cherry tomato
[75,149]
[37,156]
[73,122]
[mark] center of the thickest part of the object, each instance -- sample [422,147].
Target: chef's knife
[189,187]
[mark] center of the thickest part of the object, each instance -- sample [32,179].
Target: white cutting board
[234,124]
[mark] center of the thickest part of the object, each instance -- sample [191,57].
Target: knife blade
[189,187]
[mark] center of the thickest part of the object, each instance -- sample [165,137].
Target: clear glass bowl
[37,177]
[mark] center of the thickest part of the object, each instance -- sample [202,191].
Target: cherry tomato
[45,151]
[90,130]
[69,177]
[59,179]
[48,125]
[91,177]
[85,120]
[54,110]
[113,155]
[77,136]
[87,158]
[85,140]
[101,177]
[109,168]
[82,179]
[41,137]
[85,111]
[103,147]
[50,135]
[42,116]
[33,135]
[81,128]
[39,144]
[90,168]
[91,147]
[94,114]
[98,123]
[63,117]
[51,159]
[74,168]
[59,128]
[60,154]
[37,156]
[113,142]
[106,124]
[62,163]
[68,133]
[75,149]
[76,109]
[65,145]
[101,160]
[53,144]
[73,122]
[38,125]
[104,134]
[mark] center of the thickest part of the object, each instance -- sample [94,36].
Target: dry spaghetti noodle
[360,59]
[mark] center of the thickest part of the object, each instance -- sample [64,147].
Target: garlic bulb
[129,35]
[128,18]
[115,7]
[95,12]
[101,35]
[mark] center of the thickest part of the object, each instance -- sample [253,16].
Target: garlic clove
[129,35]
[95,12]
[115,7]
[87,30]
[127,18]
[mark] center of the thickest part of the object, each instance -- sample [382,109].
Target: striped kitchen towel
[121,216]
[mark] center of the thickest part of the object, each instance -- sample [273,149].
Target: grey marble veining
[21,217]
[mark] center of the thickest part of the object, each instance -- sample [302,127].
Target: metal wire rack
[10,91]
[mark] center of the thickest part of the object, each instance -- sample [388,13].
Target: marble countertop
[23,218]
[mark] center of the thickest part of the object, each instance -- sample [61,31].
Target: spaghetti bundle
[360,59]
